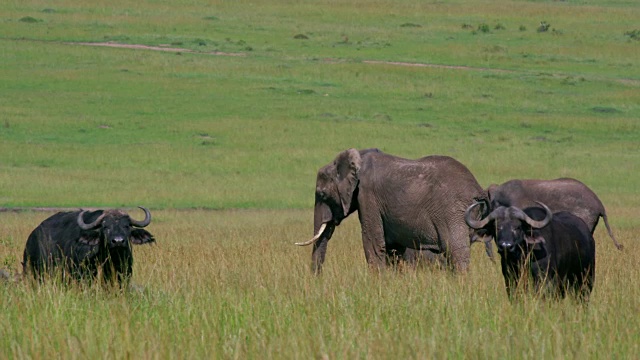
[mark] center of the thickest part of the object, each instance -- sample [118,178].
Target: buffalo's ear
[141,236]
[533,237]
[348,165]
[90,238]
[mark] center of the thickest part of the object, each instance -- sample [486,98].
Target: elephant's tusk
[315,238]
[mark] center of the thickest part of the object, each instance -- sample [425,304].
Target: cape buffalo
[562,194]
[557,249]
[80,243]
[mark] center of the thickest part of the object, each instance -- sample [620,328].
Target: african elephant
[564,194]
[402,204]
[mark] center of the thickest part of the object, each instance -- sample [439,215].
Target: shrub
[544,26]
[633,34]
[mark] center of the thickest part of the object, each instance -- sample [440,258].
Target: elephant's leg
[396,254]
[374,252]
[373,239]
[460,259]
[411,257]
[459,248]
[425,258]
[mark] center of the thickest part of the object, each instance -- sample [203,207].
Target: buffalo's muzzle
[506,246]
[117,241]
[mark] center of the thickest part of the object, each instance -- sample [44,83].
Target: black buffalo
[83,243]
[557,249]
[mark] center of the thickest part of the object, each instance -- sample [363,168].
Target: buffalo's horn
[537,224]
[475,224]
[315,237]
[145,222]
[93,225]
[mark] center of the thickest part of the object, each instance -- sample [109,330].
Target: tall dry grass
[231,284]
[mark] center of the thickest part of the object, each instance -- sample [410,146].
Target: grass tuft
[29,19]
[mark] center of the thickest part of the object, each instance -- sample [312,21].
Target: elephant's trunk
[320,249]
[323,226]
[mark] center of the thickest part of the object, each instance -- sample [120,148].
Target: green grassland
[222,140]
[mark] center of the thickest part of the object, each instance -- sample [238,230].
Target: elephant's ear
[491,191]
[348,165]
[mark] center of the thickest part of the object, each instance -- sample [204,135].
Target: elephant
[402,205]
[563,194]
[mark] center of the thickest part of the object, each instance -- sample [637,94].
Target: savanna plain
[220,116]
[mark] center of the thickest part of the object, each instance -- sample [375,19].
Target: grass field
[222,140]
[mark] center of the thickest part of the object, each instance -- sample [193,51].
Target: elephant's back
[447,165]
[452,172]
[437,177]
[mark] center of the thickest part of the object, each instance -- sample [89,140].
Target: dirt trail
[625,81]
[167,48]
[439,66]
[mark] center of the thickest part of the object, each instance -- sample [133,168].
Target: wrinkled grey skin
[564,194]
[402,204]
